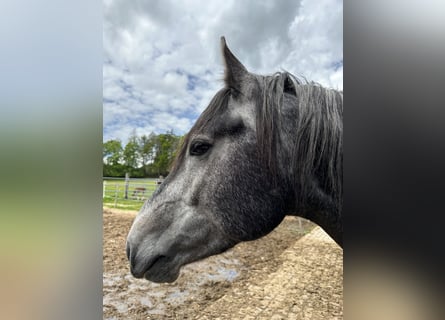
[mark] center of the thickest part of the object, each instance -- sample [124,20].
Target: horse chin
[167,268]
[164,277]
[162,271]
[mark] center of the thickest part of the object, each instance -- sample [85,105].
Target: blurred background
[51,159]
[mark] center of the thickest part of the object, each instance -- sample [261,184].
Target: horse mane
[317,150]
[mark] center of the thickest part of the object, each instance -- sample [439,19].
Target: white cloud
[162,60]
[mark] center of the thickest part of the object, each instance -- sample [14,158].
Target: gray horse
[265,147]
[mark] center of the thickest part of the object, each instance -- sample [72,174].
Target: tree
[147,150]
[166,147]
[145,156]
[112,152]
[112,156]
[131,153]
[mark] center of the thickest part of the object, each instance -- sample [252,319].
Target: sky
[162,60]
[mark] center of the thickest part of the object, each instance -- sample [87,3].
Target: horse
[265,147]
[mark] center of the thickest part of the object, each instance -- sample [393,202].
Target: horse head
[230,181]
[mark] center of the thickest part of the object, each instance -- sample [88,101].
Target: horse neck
[329,220]
[310,173]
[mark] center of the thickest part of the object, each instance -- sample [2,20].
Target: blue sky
[162,61]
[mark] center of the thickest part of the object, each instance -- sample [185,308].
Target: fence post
[115,196]
[127,182]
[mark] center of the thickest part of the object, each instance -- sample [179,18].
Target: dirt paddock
[295,272]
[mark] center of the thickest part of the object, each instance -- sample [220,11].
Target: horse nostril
[131,255]
[128,251]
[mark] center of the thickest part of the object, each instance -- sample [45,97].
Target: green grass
[115,193]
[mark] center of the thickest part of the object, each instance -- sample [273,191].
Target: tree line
[143,156]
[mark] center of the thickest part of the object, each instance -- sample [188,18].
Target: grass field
[114,193]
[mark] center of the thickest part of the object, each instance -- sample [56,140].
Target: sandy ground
[295,272]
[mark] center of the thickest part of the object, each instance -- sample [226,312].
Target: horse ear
[234,71]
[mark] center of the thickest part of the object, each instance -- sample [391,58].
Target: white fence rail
[115,189]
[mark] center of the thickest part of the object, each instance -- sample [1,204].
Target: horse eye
[199,148]
[234,92]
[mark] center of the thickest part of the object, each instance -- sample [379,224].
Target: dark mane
[318,144]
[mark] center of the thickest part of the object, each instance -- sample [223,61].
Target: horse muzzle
[157,267]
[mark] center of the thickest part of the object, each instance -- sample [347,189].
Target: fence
[126,192]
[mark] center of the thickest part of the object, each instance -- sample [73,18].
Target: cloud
[162,61]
